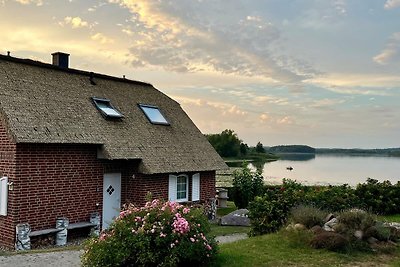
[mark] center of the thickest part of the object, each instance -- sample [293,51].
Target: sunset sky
[315,72]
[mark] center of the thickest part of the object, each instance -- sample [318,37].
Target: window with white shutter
[178,188]
[196,187]
[3,195]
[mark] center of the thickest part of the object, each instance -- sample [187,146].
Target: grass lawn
[224,211]
[276,250]
[218,230]
[390,218]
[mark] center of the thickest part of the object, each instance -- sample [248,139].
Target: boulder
[358,234]
[328,226]
[236,218]
[329,240]
[372,240]
[316,229]
[299,226]
[329,217]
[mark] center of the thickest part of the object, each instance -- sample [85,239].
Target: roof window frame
[143,109]
[107,102]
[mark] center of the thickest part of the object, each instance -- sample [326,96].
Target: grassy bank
[276,250]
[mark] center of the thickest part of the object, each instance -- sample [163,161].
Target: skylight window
[154,114]
[106,109]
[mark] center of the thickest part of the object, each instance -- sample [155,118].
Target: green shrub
[268,213]
[159,234]
[356,220]
[333,198]
[379,197]
[308,216]
[247,184]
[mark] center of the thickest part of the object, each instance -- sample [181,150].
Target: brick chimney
[60,59]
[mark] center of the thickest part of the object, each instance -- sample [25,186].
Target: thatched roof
[41,103]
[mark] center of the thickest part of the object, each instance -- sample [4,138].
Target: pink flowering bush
[158,234]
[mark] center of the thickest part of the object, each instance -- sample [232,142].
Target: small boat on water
[290,168]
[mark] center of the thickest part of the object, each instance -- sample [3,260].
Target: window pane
[154,115]
[108,110]
[105,107]
[181,187]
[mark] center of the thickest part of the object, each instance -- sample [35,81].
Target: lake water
[331,169]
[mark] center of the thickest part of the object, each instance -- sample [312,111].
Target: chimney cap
[59,53]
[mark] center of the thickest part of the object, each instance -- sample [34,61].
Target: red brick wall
[56,180]
[7,168]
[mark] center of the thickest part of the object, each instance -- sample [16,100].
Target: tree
[227,143]
[260,148]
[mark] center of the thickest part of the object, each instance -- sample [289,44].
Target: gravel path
[71,258]
[68,258]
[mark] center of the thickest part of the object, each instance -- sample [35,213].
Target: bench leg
[22,239]
[61,236]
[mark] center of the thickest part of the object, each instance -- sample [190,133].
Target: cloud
[327,103]
[192,36]
[390,4]
[391,50]
[76,22]
[264,118]
[28,2]
[101,38]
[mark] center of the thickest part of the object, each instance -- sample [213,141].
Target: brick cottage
[76,143]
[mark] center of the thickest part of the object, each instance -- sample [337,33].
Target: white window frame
[173,188]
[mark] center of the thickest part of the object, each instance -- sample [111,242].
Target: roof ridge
[70,70]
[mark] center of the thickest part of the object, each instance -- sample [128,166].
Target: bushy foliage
[158,234]
[227,144]
[247,184]
[268,213]
[333,198]
[260,148]
[379,197]
[308,216]
[355,219]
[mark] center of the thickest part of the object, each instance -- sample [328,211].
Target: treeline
[359,151]
[228,145]
[291,149]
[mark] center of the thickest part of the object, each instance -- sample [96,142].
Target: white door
[111,197]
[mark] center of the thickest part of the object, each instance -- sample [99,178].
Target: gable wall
[7,168]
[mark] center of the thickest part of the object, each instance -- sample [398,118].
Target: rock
[328,226]
[316,229]
[372,240]
[359,234]
[329,240]
[236,218]
[290,227]
[371,232]
[395,225]
[299,226]
[329,217]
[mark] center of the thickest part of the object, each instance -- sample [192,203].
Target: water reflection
[330,169]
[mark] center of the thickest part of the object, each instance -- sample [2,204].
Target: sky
[324,73]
